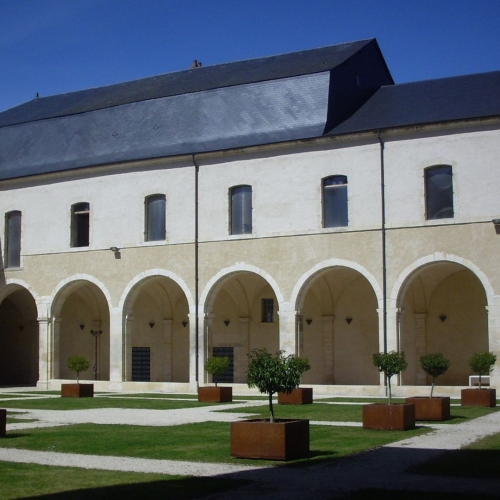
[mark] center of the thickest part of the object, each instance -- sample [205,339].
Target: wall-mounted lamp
[309,321]
[151,324]
[184,323]
[116,251]
[348,320]
[226,322]
[443,318]
[82,326]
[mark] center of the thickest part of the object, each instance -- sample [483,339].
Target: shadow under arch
[337,325]
[155,307]
[19,338]
[81,327]
[442,302]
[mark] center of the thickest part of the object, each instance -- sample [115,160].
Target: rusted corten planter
[211,394]
[479,397]
[396,417]
[299,396]
[280,440]
[3,422]
[426,408]
[77,390]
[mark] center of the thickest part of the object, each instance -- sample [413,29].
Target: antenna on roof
[37,95]
[196,64]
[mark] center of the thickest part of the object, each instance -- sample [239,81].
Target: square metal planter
[395,417]
[479,397]
[77,390]
[427,408]
[280,440]
[299,396]
[212,394]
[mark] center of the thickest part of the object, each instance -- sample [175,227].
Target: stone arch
[19,338]
[337,323]
[442,301]
[155,306]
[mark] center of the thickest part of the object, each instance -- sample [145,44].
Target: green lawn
[30,481]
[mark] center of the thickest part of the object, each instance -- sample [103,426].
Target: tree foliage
[434,365]
[482,363]
[390,363]
[216,366]
[78,364]
[278,373]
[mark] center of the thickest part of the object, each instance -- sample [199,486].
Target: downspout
[196,270]
[384,252]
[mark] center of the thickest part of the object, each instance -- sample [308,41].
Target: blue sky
[58,46]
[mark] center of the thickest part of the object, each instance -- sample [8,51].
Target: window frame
[329,205]
[245,225]
[80,225]
[267,310]
[12,255]
[433,195]
[149,231]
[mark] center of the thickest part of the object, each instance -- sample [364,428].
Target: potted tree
[77,364]
[432,408]
[389,416]
[271,438]
[300,395]
[481,363]
[216,366]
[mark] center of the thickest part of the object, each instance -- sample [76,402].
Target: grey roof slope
[281,98]
[184,82]
[426,102]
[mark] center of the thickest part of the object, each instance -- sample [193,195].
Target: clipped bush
[482,363]
[434,365]
[78,364]
[390,363]
[216,366]
[272,374]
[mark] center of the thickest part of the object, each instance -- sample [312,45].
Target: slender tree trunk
[432,387]
[390,392]
[271,406]
[479,381]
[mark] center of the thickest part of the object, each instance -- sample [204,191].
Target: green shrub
[78,364]
[390,363]
[434,365]
[217,366]
[278,373]
[482,363]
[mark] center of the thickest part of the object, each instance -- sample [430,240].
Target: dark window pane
[155,217]
[335,201]
[228,376]
[267,310]
[80,225]
[13,239]
[439,192]
[241,210]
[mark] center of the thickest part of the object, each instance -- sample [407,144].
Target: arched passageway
[241,314]
[156,332]
[443,309]
[18,338]
[81,328]
[338,328]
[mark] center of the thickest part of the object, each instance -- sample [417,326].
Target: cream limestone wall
[283,258]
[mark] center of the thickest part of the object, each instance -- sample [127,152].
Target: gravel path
[385,467]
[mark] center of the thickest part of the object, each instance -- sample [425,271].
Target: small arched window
[240,199]
[438,192]
[80,225]
[13,239]
[335,201]
[155,224]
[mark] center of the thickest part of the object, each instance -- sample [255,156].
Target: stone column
[116,347]
[127,349]
[299,333]
[494,338]
[287,335]
[56,335]
[193,354]
[328,347]
[167,350]
[420,339]
[44,352]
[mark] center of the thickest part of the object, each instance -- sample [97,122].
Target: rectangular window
[439,192]
[13,239]
[141,364]
[80,225]
[267,310]
[241,210]
[228,376]
[156,217]
[335,201]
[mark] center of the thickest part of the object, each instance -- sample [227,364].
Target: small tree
[434,365]
[217,366]
[78,364]
[482,363]
[390,363]
[278,373]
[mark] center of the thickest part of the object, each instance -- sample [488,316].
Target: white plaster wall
[475,159]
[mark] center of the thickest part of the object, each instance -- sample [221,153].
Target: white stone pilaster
[167,350]
[287,336]
[116,357]
[328,347]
